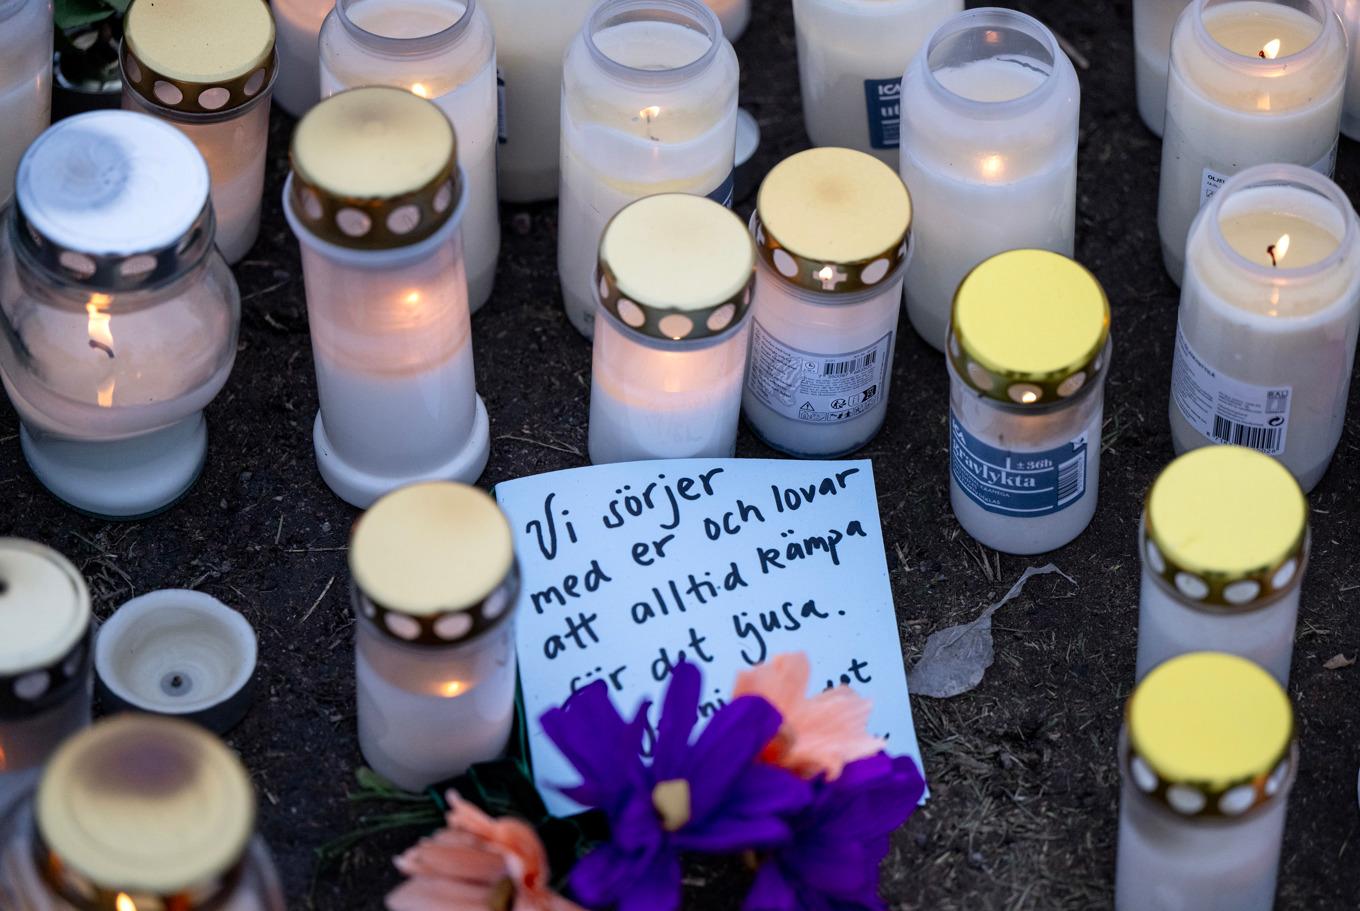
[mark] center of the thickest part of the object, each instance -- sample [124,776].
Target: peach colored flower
[822,734]
[476,863]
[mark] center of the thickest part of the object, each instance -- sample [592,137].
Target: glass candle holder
[297,25]
[649,105]
[734,15]
[1153,21]
[1208,761]
[1349,11]
[435,582]
[1029,350]
[1224,541]
[851,56]
[138,812]
[672,331]
[45,625]
[208,67]
[832,230]
[25,82]
[119,316]
[1251,82]
[376,201]
[989,150]
[1269,314]
[442,50]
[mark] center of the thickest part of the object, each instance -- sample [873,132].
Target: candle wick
[1261,54]
[1270,248]
[102,347]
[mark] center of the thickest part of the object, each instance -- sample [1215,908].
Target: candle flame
[649,112]
[1029,397]
[124,902]
[1271,50]
[104,394]
[101,336]
[412,299]
[3,760]
[993,166]
[452,688]
[1278,249]
[418,88]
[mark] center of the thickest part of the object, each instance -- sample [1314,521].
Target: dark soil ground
[1022,769]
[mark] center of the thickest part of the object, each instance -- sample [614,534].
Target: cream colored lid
[44,606]
[373,143]
[200,41]
[431,548]
[141,803]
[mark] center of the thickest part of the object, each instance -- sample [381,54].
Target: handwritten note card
[629,569]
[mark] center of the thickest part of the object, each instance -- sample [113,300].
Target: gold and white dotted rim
[444,628]
[1223,591]
[1194,801]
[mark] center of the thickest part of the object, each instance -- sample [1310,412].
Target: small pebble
[521,223]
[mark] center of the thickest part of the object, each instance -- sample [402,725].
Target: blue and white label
[883,99]
[726,191]
[1026,484]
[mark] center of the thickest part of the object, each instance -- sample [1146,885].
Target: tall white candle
[298,23]
[989,153]
[25,81]
[1153,21]
[734,15]
[1349,10]
[1251,82]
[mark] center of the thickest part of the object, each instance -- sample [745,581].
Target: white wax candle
[734,15]
[1153,21]
[1349,10]
[297,24]
[25,82]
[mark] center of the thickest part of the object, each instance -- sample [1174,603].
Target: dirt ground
[1023,773]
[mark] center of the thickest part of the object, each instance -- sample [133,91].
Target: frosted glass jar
[376,202]
[649,105]
[1208,762]
[1029,350]
[1269,313]
[25,82]
[102,832]
[298,25]
[119,316]
[208,67]
[435,583]
[1224,542]
[442,50]
[45,623]
[989,150]
[734,15]
[1153,21]
[1349,11]
[671,332]
[1251,82]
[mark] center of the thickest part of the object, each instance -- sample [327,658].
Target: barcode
[1262,439]
[853,365]
[1071,478]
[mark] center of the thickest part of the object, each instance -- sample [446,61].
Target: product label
[883,99]
[1008,483]
[502,126]
[1212,181]
[1226,410]
[818,388]
[725,192]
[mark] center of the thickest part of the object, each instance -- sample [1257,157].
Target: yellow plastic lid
[200,41]
[44,606]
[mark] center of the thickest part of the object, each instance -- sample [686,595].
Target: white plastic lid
[44,606]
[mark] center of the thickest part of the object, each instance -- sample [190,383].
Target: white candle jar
[1251,82]
[672,331]
[119,315]
[734,15]
[1349,10]
[989,150]
[297,24]
[138,812]
[208,67]
[1153,21]
[649,105]
[435,582]
[1208,761]
[442,50]
[1029,350]
[45,625]
[1269,314]
[376,201]
[25,82]
[833,236]
[851,56]
[1224,543]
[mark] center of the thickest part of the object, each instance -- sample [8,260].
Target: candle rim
[1257,65]
[1007,19]
[403,47]
[617,12]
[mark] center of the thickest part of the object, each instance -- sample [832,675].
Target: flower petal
[732,834]
[771,891]
[679,714]
[427,894]
[734,737]
[598,743]
[658,889]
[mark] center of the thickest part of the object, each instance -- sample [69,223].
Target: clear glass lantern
[649,105]
[138,813]
[989,150]
[671,332]
[1251,82]
[25,82]
[119,315]
[832,230]
[1269,314]
[442,50]
[435,583]
[297,25]
[1224,542]
[45,625]
[1153,21]
[377,202]
[851,56]
[1208,760]
[1029,350]
[208,67]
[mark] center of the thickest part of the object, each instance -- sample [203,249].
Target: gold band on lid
[676,267]
[1209,735]
[44,628]
[374,168]
[1029,327]
[1227,527]
[833,221]
[201,57]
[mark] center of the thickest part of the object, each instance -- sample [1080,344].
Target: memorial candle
[734,15]
[298,23]
[1349,10]
[25,82]
[1153,21]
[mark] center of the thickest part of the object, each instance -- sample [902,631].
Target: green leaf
[75,13]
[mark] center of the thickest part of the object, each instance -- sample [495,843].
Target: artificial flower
[476,863]
[709,796]
[839,840]
[820,735]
